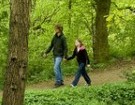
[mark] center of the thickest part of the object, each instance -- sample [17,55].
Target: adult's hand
[88,65]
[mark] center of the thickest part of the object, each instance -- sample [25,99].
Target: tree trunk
[100,38]
[15,76]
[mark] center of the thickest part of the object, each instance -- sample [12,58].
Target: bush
[122,94]
[3,54]
[130,76]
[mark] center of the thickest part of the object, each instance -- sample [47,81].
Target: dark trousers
[81,71]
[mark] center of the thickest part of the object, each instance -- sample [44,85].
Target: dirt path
[113,73]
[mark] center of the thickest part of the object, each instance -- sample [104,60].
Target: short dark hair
[59,26]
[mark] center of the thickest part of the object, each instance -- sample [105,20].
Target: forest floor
[111,74]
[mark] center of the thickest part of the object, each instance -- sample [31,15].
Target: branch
[86,22]
[46,18]
[124,8]
[50,16]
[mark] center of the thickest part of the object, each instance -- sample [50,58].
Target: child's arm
[73,56]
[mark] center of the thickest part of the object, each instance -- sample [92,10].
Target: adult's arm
[50,47]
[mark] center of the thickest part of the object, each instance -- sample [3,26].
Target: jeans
[57,70]
[81,71]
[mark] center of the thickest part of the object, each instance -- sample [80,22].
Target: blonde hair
[80,41]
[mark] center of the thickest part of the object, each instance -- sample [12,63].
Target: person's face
[57,30]
[77,44]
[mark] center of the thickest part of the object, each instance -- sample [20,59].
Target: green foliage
[109,94]
[4,14]
[121,27]
[46,13]
[119,94]
[130,75]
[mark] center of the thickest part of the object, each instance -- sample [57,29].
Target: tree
[15,76]
[100,38]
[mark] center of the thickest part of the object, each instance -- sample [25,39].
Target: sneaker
[72,85]
[62,83]
[58,84]
[88,84]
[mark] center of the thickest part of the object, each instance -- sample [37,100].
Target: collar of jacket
[60,35]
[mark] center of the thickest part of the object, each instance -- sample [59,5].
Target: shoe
[62,83]
[72,85]
[58,84]
[88,84]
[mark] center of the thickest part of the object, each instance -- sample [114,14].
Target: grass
[109,94]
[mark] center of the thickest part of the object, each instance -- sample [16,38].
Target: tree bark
[15,76]
[100,38]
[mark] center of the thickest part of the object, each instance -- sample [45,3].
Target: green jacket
[59,46]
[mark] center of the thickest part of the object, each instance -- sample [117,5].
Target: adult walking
[59,46]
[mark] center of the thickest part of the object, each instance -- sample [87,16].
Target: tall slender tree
[15,76]
[100,38]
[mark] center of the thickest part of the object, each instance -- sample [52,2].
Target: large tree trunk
[100,39]
[15,76]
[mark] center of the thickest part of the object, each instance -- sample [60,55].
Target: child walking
[83,61]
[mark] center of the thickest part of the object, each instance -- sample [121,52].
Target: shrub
[130,76]
[119,94]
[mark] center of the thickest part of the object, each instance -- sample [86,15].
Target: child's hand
[88,65]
